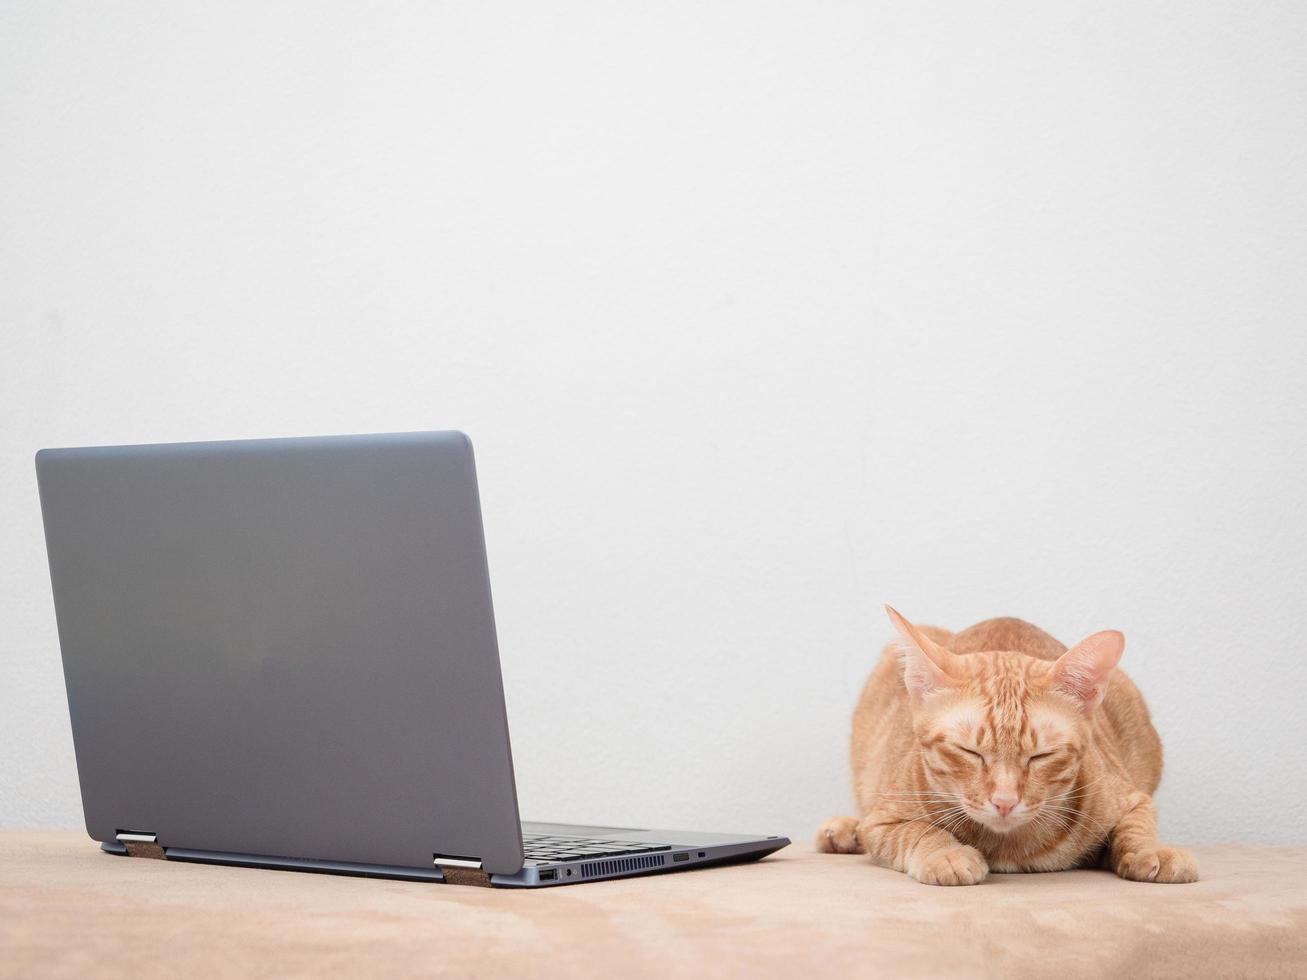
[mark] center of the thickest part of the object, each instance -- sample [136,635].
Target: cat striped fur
[998,749]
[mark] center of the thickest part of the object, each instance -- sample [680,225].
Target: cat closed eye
[1036,758]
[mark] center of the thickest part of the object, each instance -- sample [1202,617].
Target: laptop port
[683,856]
[549,874]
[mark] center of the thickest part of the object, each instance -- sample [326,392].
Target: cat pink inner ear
[920,675]
[1083,671]
[925,662]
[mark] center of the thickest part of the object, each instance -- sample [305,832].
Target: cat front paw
[954,865]
[1171,865]
[838,835]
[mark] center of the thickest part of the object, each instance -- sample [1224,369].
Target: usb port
[683,856]
[549,874]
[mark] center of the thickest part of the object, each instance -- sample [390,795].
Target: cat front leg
[1135,852]
[921,850]
[839,835]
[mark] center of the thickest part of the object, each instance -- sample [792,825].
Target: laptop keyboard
[544,848]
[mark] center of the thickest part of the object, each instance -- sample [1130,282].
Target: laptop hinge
[141,845]
[461,870]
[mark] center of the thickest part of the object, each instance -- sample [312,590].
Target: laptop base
[690,851]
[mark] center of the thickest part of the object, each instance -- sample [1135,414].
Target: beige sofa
[68,910]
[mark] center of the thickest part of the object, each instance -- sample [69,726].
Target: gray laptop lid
[283,647]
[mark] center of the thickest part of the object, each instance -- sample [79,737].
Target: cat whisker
[1069,823]
[949,818]
[952,824]
[1072,813]
[1076,791]
[1053,822]
[959,821]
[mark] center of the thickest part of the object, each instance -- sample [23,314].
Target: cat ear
[926,664]
[1083,671]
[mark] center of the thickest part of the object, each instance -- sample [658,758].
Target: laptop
[281,653]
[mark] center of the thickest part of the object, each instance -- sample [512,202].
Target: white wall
[759,315]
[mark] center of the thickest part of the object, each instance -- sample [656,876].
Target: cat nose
[1005,803]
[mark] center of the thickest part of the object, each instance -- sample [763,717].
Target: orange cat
[997,748]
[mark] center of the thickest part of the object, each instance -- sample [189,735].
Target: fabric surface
[66,909]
